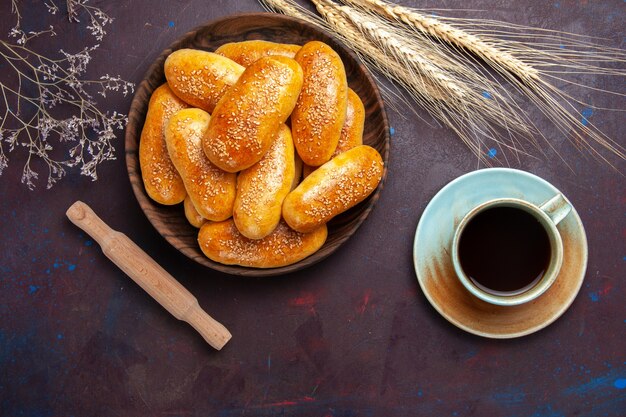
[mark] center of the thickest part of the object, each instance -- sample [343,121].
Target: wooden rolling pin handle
[149,275]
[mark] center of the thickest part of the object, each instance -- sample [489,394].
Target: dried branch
[47,107]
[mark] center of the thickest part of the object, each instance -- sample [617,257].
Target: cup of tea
[508,251]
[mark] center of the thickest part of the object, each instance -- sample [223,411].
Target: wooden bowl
[170,221]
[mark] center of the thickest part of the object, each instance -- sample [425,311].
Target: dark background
[351,336]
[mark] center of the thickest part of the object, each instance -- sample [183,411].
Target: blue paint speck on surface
[487,95]
[171,23]
[112,314]
[594,385]
[620,383]
[58,263]
[60,336]
[88,242]
[512,395]
[470,354]
[492,153]
[594,296]
[392,131]
[548,411]
[32,289]
[586,113]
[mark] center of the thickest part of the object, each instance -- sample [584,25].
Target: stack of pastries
[262,143]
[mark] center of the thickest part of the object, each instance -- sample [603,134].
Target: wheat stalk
[293,9]
[534,81]
[350,35]
[466,111]
[437,84]
[442,68]
[404,53]
[498,59]
[461,88]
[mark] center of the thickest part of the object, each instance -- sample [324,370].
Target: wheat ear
[497,58]
[453,81]
[404,53]
[350,34]
[471,116]
[369,54]
[464,110]
[290,9]
[367,51]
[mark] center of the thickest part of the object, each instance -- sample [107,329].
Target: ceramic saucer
[433,264]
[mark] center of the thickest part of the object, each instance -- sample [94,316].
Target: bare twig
[52,105]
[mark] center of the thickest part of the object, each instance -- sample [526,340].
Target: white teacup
[548,215]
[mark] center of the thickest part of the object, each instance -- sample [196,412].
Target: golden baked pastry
[352,130]
[191,214]
[200,78]
[333,188]
[246,52]
[160,178]
[211,190]
[262,188]
[247,118]
[320,113]
[222,242]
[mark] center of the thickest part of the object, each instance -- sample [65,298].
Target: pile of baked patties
[263,144]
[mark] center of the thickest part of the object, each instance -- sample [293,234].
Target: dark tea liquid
[504,250]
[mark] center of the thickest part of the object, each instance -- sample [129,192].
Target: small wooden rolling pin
[149,275]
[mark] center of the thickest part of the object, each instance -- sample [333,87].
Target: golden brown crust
[247,118]
[321,109]
[211,190]
[352,130]
[333,188]
[247,52]
[193,217]
[160,178]
[221,242]
[262,188]
[200,78]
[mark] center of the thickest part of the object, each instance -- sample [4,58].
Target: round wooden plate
[170,221]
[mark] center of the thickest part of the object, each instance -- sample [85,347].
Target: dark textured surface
[350,336]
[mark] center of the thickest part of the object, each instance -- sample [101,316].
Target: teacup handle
[557,208]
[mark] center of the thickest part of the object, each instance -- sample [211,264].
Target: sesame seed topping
[210,189]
